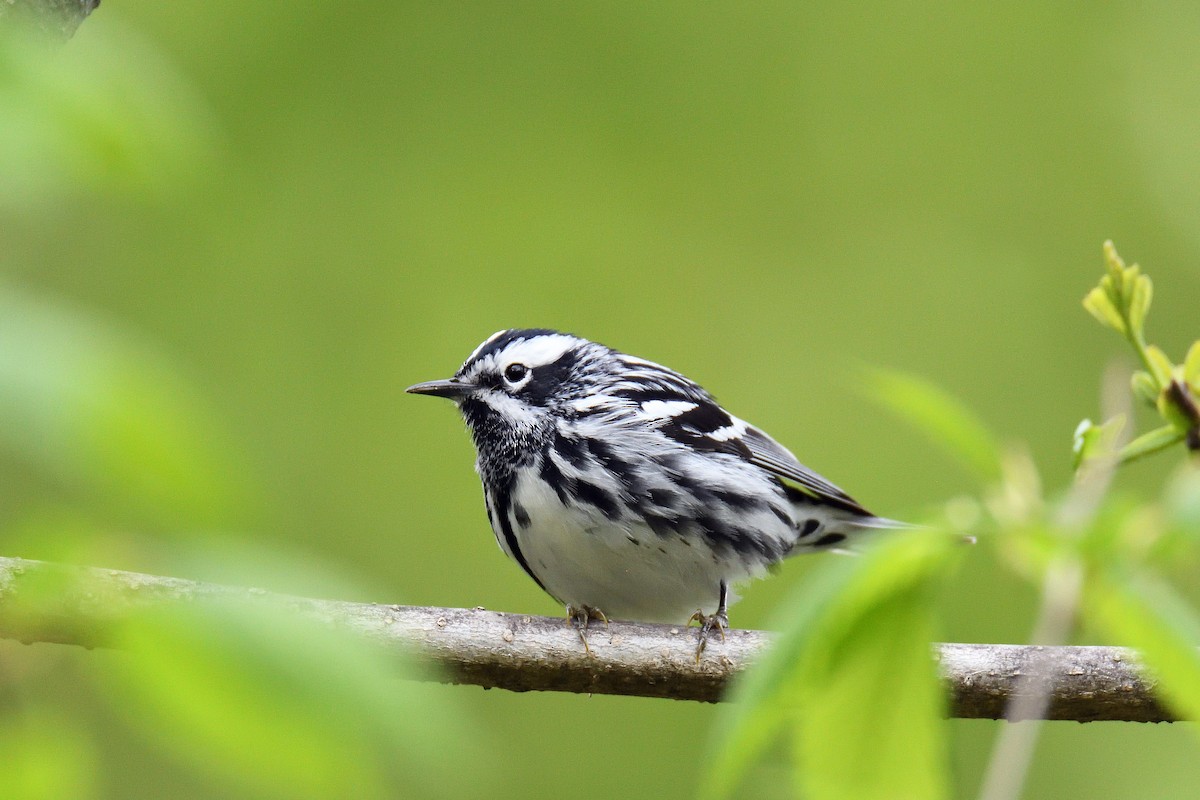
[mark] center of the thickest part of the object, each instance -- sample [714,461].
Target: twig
[527,653]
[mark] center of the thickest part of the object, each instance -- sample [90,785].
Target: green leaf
[852,676]
[878,679]
[943,418]
[271,702]
[46,754]
[1139,305]
[1107,538]
[1160,364]
[1100,305]
[763,697]
[1183,501]
[1181,530]
[136,125]
[1177,407]
[1149,443]
[1191,367]
[1144,388]
[1096,441]
[1129,279]
[1144,612]
[1079,439]
[1112,261]
[103,412]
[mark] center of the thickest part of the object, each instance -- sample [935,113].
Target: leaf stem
[1138,449]
[1137,341]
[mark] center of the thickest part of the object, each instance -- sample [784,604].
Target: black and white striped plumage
[621,487]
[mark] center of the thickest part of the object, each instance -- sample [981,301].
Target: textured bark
[44,602]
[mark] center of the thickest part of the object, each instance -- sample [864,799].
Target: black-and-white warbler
[623,489]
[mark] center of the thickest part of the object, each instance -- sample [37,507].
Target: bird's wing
[767,453]
[701,423]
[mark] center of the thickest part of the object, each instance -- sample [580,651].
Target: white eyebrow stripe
[538,351]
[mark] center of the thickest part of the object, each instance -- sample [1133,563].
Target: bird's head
[524,377]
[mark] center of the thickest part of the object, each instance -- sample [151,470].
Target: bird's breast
[618,563]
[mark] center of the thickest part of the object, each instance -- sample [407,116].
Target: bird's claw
[580,618]
[719,621]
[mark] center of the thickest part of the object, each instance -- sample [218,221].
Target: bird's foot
[581,618]
[708,622]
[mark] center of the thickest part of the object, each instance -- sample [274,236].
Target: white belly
[625,570]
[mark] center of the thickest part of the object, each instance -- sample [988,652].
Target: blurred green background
[296,211]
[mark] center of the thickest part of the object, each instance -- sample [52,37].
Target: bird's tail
[880,523]
[861,529]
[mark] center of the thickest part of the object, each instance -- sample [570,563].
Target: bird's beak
[452,389]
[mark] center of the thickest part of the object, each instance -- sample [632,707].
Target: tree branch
[526,653]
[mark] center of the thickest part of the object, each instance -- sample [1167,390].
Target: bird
[625,491]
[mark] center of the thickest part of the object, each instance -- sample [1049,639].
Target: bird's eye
[515,373]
